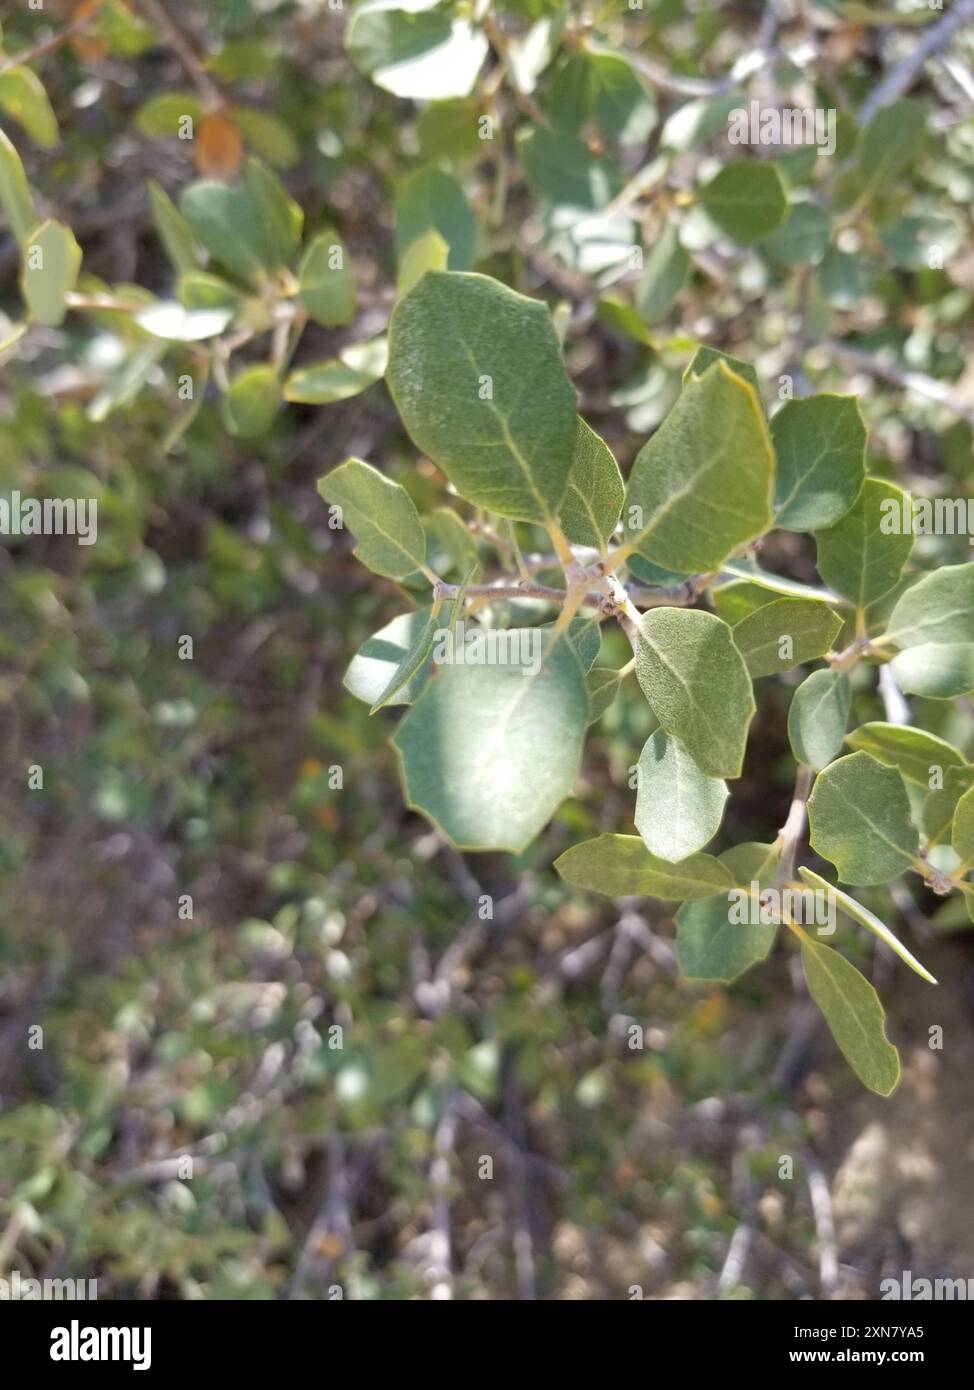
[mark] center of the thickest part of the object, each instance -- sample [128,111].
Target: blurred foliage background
[334,1032]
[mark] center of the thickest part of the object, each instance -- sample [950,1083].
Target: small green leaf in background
[854,1014]
[416,51]
[917,754]
[889,144]
[621,866]
[802,238]
[562,170]
[163,116]
[678,807]
[427,252]
[267,134]
[747,200]
[252,401]
[600,86]
[697,685]
[702,486]
[477,374]
[711,942]
[821,446]
[489,752]
[174,231]
[51,262]
[665,272]
[962,829]
[593,498]
[354,370]
[23,97]
[432,200]
[859,819]
[380,514]
[326,285]
[280,214]
[15,196]
[933,624]
[450,546]
[857,557]
[817,717]
[225,219]
[786,633]
[869,920]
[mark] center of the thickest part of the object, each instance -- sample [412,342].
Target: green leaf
[489,752]
[602,684]
[279,213]
[752,573]
[678,807]
[933,621]
[326,285]
[23,97]
[889,144]
[820,442]
[51,262]
[175,323]
[252,401]
[721,937]
[477,375]
[937,670]
[601,86]
[702,486]
[940,806]
[697,685]
[414,49]
[665,272]
[817,717]
[415,662]
[859,818]
[858,557]
[225,219]
[174,231]
[382,516]
[705,357]
[161,116]
[786,633]
[15,197]
[739,599]
[267,134]
[428,252]
[914,752]
[376,661]
[431,200]
[621,866]
[802,238]
[590,509]
[854,1014]
[747,200]
[353,371]
[450,545]
[869,920]
[962,829]
[562,169]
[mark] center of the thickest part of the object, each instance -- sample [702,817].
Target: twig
[794,827]
[903,76]
[894,701]
[828,1256]
[917,382]
[191,61]
[48,45]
